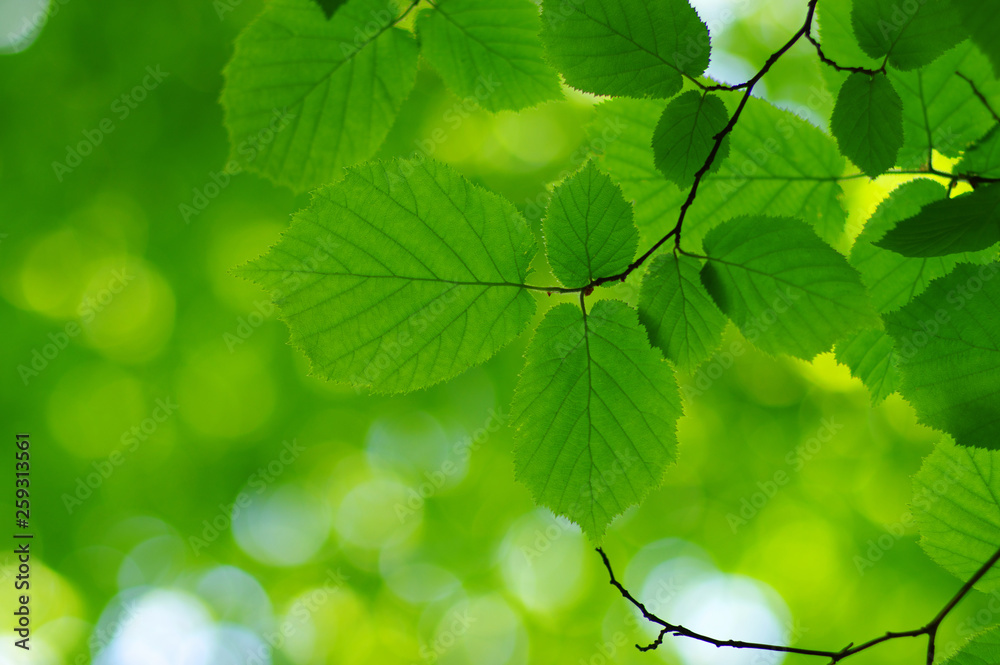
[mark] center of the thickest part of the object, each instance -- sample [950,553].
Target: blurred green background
[198,499]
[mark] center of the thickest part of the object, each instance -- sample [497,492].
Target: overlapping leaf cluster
[396,282]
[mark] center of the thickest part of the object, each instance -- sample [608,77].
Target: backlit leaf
[966,223]
[589,232]
[685,134]
[489,50]
[911,34]
[681,318]
[956,505]
[399,283]
[596,410]
[948,345]
[306,96]
[631,48]
[868,122]
[787,290]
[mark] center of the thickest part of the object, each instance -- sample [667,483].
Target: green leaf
[983,159]
[685,134]
[596,410]
[982,21]
[589,231]
[630,48]
[948,344]
[399,283]
[787,290]
[966,223]
[489,50]
[681,318]
[778,164]
[892,279]
[981,649]
[868,122]
[911,34]
[338,86]
[939,110]
[837,37]
[330,7]
[956,506]
[870,355]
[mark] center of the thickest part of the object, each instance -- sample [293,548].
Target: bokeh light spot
[285,526]
[93,406]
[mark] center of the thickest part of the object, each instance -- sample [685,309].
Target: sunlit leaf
[966,223]
[787,290]
[982,21]
[869,353]
[306,96]
[488,50]
[399,282]
[983,159]
[948,345]
[685,134]
[778,164]
[589,231]
[632,48]
[681,318]
[956,505]
[892,279]
[939,109]
[596,411]
[910,34]
[868,122]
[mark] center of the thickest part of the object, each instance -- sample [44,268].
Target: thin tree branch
[930,629]
[747,87]
[839,67]
[980,95]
